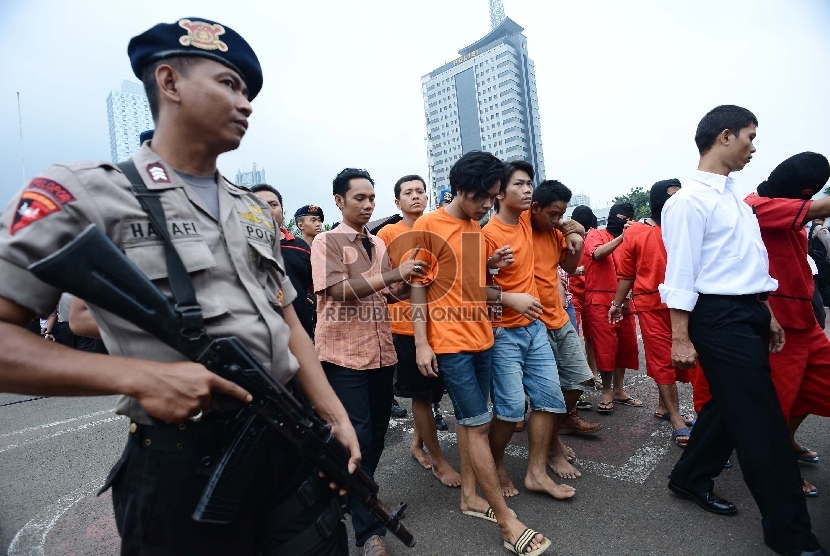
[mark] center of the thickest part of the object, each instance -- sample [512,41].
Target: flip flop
[605,407]
[812,493]
[804,459]
[630,401]
[524,541]
[727,465]
[489,514]
[665,416]
[681,432]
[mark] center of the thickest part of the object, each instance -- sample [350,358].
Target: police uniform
[309,210]
[239,277]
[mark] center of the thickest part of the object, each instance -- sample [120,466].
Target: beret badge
[202,35]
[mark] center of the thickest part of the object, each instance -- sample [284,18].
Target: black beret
[195,36]
[309,210]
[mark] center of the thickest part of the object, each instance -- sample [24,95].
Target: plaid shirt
[354,334]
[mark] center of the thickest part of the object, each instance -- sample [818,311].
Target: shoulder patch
[53,188]
[157,173]
[32,207]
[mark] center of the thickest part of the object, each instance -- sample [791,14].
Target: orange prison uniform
[456,297]
[801,371]
[549,249]
[642,258]
[516,278]
[399,245]
[615,345]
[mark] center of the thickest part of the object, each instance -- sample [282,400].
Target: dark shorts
[409,382]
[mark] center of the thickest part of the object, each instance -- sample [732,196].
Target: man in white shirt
[716,285]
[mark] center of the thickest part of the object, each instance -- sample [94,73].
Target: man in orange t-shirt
[642,265]
[453,334]
[411,199]
[615,344]
[584,216]
[556,243]
[523,361]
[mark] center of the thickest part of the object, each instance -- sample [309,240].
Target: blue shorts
[467,379]
[523,362]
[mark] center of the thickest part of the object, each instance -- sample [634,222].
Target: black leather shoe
[706,500]
[779,550]
[440,423]
[397,411]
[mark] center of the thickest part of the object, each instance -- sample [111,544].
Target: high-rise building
[128,113]
[484,100]
[580,199]
[250,178]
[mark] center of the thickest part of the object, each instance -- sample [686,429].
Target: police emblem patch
[202,35]
[32,207]
[53,188]
[157,173]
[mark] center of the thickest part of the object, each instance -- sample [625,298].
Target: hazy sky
[621,85]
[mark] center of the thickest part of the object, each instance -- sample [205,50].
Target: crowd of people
[493,297]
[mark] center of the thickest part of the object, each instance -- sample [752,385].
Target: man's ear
[167,80]
[534,208]
[339,201]
[725,137]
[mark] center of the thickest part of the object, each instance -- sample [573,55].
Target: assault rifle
[94,269]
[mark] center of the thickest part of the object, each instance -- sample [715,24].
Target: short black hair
[182,64]
[477,171]
[341,183]
[727,116]
[550,191]
[403,180]
[514,165]
[266,187]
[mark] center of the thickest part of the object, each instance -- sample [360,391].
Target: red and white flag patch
[32,207]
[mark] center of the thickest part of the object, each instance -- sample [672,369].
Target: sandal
[799,455]
[690,422]
[523,542]
[681,432]
[809,490]
[605,407]
[630,401]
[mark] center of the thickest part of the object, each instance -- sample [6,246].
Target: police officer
[444,197]
[200,77]
[309,220]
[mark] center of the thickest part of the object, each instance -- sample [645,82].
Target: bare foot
[448,476]
[808,489]
[508,489]
[563,468]
[514,529]
[569,453]
[421,456]
[543,483]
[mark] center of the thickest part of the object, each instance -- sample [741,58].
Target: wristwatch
[614,304]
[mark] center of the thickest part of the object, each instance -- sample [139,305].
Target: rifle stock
[92,268]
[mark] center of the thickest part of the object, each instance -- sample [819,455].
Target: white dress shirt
[713,243]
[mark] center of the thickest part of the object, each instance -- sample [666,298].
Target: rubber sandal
[524,541]
[686,419]
[605,407]
[630,401]
[812,493]
[681,432]
[727,465]
[489,514]
[804,459]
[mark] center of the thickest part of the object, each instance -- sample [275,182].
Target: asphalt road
[55,452]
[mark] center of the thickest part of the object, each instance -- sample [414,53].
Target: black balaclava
[799,177]
[585,216]
[615,223]
[659,195]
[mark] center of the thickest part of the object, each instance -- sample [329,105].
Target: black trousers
[731,336]
[367,397]
[155,491]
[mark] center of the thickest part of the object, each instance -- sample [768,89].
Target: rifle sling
[180,283]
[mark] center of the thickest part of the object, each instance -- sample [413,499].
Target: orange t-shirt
[600,275]
[456,297]
[549,248]
[642,258]
[399,245]
[518,277]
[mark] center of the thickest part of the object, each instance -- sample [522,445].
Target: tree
[639,199]
[292,228]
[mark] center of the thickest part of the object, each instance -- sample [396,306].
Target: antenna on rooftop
[496,13]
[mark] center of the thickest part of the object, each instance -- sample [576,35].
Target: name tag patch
[257,225]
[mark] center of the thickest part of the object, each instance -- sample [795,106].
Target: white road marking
[30,539]
[56,423]
[62,432]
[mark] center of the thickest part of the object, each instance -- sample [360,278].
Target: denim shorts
[572,316]
[467,379]
[523,362]
[570,358]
